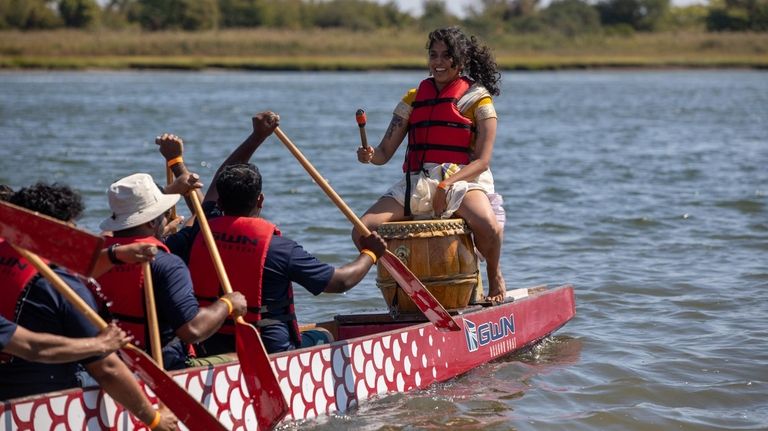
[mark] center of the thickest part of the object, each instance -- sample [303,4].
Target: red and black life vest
[437,132]
[123,287]
[243,243]
[15,274]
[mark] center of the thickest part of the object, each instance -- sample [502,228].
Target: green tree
[691,17]
[644,15]
[241,13]
[436,15]
[571,17]
[4,12]
[120,13]
[199,14]
[738,15]
[358,15]
[178,14]
[28,14]
[759,16]
[284,14]
[504,10]
[79,13]
[157,14]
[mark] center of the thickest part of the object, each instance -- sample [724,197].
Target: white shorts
[423,186]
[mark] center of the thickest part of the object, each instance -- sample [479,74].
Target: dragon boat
[373,355]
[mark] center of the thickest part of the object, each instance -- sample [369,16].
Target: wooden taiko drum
[439,252]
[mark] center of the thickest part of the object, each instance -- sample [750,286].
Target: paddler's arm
[172,148]
[55,349]
[118,381]
[176,302]
[209,319]
[183,184]
[264,124]
[398,127]
[127,253]
[347,276]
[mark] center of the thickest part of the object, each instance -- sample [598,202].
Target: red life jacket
[243,243]
[123,286]
[437,132]
[15,274]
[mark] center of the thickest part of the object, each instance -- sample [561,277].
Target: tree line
[568,17]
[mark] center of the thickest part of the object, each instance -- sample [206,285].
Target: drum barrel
[440,253]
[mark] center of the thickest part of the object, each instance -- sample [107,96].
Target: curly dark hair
[55,200]
[239,187]
[467,52]
[5,192]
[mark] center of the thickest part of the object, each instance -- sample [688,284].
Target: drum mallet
[360,117]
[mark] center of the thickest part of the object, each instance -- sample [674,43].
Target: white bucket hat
[135,200]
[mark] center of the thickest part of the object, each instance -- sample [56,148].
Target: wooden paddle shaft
[205,228]
[351,216]
[63,288]
[185,407]
[149,301]
[260,377]
[415,289]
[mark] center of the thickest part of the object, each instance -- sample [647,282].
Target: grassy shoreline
[531,63]
[335,50]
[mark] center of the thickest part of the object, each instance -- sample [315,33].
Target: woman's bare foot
[496,288]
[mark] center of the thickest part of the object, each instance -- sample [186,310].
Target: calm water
[646,190]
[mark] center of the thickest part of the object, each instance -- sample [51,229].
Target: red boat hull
[370,358]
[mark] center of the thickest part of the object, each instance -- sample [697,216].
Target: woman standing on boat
[450,122]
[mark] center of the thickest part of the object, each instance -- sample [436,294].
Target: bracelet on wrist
[443,185]
[156,420]
[371,254]
[230,306]
[113,255]
[174,161]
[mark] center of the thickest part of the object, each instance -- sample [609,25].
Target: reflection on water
[485,398]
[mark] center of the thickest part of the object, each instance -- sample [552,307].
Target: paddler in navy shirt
[32,302]
[259,261]
[139,214]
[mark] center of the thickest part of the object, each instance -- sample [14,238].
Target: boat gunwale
[283,366]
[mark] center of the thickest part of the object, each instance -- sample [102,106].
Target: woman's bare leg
[477,211]
[384,210]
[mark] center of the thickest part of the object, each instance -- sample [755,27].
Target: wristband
[113,256]
[156,420]
[443,186]
[230,306]
[369,253]
[174,161]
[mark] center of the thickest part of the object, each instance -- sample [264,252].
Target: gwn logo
[485,333]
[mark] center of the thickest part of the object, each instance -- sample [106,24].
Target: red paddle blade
[63,244]
[270,404]
[360,117]
[189,411]
[419,294]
